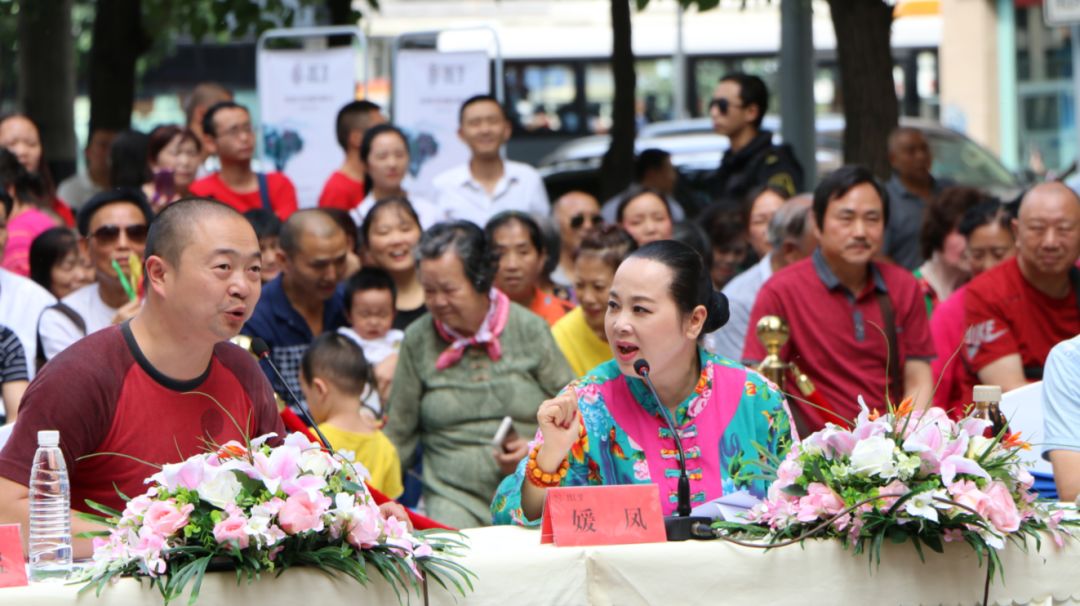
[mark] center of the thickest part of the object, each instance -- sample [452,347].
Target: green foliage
[167,22]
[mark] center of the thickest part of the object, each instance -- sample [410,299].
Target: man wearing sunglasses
[738,106]
[113,226]
[575,212]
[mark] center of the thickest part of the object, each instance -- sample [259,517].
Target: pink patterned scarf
[487,335]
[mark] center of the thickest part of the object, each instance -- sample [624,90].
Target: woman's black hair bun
[719,312]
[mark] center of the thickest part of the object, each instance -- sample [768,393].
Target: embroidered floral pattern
[725,457]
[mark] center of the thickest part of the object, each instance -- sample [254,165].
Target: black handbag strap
[264,191]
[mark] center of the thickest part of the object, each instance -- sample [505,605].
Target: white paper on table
[730,507]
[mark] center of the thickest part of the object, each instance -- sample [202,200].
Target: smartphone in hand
[503,434]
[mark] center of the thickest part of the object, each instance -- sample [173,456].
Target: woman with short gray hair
[474,359]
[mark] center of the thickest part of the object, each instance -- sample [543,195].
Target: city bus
[556,56]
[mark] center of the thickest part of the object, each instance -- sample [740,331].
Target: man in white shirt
[793,238]
[113,226]
[487,184]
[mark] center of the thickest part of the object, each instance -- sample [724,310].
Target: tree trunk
[340,12]
[118,41]
[866,81]
[618,164]
[46,79]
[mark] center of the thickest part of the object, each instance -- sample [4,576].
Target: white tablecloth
[513,568]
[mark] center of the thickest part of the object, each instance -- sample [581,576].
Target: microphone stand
[681,526]
[262,351]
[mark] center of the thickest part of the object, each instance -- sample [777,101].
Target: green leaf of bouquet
[918,547]
[105,509]
[454,572]
[93,517]
[248,484]
[897,534]
[199,573]
[995,566]
[120,493]
[933,541]
[352,487]
[977,544]
[795,490]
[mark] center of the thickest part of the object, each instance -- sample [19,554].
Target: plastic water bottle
[50,511]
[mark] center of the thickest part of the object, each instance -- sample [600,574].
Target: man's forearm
[1008,372]
[17,511]
[1066,473]
[918,383]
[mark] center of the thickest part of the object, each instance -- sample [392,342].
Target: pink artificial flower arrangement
[905,475]
[260,509]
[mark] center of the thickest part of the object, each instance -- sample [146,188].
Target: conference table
[513,568]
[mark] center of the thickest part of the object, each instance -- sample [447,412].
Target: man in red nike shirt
[1017,311]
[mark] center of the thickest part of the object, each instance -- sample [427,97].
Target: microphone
[682,525]
[262,352]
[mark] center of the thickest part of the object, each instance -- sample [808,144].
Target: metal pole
[797,68]
[1008,102]
[678,81]
[1074,32]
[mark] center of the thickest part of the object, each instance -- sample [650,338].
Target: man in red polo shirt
[158,387]
[1017,311]
[345,187]
[229,134]
[835,301]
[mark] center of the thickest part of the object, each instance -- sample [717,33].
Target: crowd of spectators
[413,323]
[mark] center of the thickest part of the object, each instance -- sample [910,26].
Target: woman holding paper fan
[607,428]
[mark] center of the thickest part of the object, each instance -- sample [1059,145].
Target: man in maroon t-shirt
[834,303]
[345,187]
[159,387]
[1017,311]
[229,134]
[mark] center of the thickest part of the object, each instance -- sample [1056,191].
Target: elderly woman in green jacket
[474,359]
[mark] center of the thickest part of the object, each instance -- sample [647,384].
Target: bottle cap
[48,437]
[986,393]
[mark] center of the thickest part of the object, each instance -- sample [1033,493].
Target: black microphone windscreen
[259,347]
[641,367]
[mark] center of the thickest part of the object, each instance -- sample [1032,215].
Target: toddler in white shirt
[370,306]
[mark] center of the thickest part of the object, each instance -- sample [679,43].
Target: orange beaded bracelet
[540,478]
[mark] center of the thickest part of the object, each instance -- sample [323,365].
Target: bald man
[306,300]
[574,213]
[127,389]
[1017,311]
[910,189]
